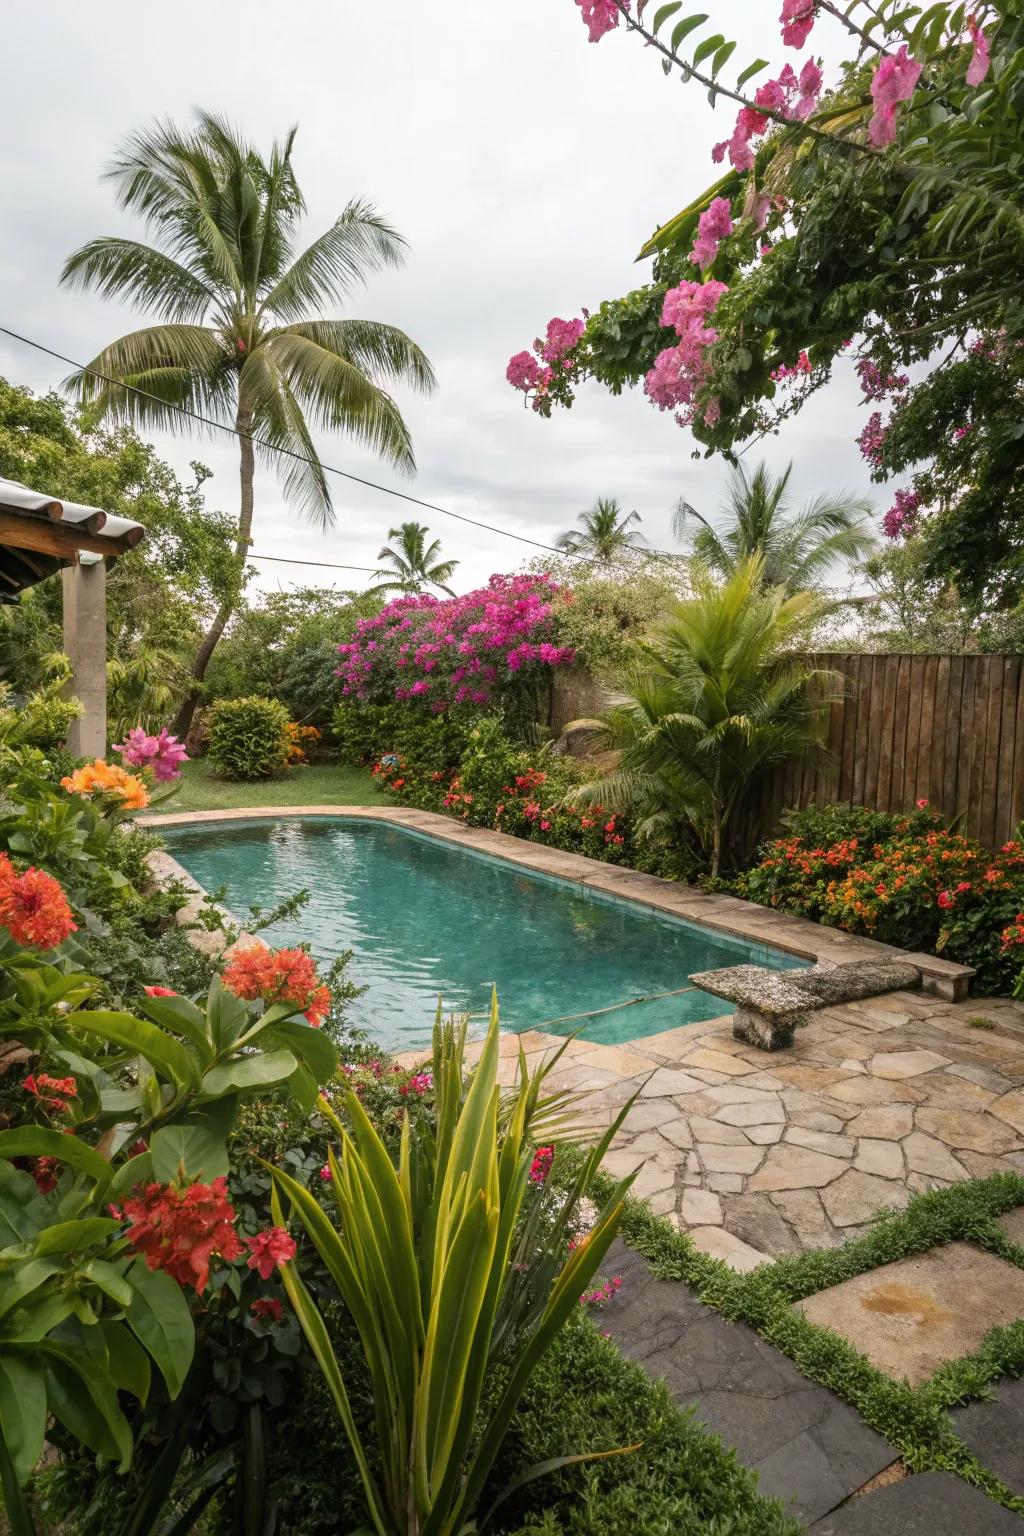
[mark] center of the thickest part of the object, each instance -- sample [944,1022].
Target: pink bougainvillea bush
[469,650]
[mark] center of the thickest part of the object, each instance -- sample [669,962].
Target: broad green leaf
[197,1141]
[163,1052]
[15,1504]
[17,1286]
[129,1363]
[750,71]
[682,29]
[72,1236]
[248,1074]
[181,1017]
[38,1141]
[227,1016]
[708,46]
[84,1398]
[310,1045]
[721,58]
[109,1280]
[23,1210]
[160,1319]
[137,1170]
[22,1413]
[663,13]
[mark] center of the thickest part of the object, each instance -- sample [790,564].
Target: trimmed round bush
[249,737]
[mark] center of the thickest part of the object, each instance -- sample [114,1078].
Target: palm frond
[150,376]
[146,277]
[280,424]
[358,243]
[383,352]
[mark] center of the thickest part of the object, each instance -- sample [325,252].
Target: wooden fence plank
[913,733]
[941,726]
[951,774]
[1008,749]
[926,732]
[887,732]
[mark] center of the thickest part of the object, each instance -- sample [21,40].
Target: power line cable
[221,426]
[327,565]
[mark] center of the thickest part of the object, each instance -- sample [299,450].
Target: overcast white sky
[525,167]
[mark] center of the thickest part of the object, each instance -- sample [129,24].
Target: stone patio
[763,1155]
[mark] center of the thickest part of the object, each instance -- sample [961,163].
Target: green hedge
[249,737]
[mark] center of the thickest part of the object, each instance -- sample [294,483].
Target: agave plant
[428,1260]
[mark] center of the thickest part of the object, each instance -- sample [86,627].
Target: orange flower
[281,976]
[33,907]
[109,779]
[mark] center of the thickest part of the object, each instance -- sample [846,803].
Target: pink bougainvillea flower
[978,68]
[562,336]
[713,226]
[268,1249]
[894,82]
[523,371]
[600,16]
[163,753]
[797,19]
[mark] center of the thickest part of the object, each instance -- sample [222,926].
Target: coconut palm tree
[722,697]
[415,564]
[241,340]
[798,549]
[606,532]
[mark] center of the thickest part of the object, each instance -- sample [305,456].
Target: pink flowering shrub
[894,82]
[440,653]
[680,371]
[534,372]
[902,515]
[163,753]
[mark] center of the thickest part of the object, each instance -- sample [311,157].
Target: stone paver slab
[994,1430]
[929,1504]
[911,1317]
[855,1197]
[963,1128]
[899,1064]
[882,1158]
[925,1154]
[701,1208]
[789,1167]
[821,1141]
[766,1111]
[732,1250]
[1012,1223]
[1011,1109]
[719,1159]
[888,1122]
[808,1446]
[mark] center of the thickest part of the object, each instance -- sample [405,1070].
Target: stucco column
[85,641]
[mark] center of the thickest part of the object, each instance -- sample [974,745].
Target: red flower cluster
[179,1230]
[46,1172]
[268,1249]
[541,1165]
[267,1309]
[160,992]
[33,907]
[278,976]
[46,1089]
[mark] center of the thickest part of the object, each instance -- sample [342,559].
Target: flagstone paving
[930,1504]
[758,1155]
[913,1316]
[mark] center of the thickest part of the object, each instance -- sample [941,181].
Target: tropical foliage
[605,531]
[445,1267]
[241,341]
[907,879]
[880,210]
[249,737]
[414,564]
[722,698]
[799,549]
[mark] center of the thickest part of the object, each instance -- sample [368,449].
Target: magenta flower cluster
[791,96]
[791,370]
[895,81]
[798,17]
[902,515]
[872,439]
[163,753]
[533,372]
[875,384]
[600,16]
[459,650]
[679,371]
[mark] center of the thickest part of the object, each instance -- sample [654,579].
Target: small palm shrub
[249,737]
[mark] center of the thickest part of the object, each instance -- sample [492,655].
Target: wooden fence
[946,729]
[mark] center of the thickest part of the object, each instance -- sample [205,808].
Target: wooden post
[85,641]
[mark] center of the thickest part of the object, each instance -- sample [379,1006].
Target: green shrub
[249,737]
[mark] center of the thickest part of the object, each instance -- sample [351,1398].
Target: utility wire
[328,565]
[221,426]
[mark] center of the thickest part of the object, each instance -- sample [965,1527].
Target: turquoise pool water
[425,919]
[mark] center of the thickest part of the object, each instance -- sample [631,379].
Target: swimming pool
[424,918]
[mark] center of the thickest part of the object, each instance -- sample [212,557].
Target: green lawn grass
[319,784]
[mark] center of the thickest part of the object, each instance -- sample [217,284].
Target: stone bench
[771,1004]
